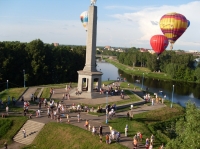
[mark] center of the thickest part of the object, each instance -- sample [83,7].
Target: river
[183,92]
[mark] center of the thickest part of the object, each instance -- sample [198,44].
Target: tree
[187,130]
[197,74]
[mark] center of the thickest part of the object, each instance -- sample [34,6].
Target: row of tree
[41,63]
[178,65]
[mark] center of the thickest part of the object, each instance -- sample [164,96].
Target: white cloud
[141,22]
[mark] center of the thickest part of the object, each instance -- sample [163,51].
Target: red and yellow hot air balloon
[173,25]
[159,43]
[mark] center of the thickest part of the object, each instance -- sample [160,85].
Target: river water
[183,92]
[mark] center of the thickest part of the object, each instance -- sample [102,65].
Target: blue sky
[120,23]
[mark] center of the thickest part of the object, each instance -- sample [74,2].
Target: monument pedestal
[86,81]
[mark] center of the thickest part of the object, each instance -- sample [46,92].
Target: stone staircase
[32,130]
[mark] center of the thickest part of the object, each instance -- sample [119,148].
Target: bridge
[105,56]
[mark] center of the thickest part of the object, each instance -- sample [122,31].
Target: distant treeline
[179,65]
[42,63]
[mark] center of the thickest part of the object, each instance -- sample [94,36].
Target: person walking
[152,101]
[151,146]
[117,137]
[7,110]
[152,139]
[135,143]
[24,132]
[126,130]
[128,116]
[86,124]
[113,134]
[147,143]
[54,114]
[107,139]
[48,112]
[5,145]
[140,136]
[67,116]
[100,130]
[68,96]
[110,127]
[89,127]
[38,111]
[78,117]
[93,130]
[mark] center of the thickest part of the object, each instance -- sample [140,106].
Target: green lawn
[46,93]
[8,134]
[12,92]
[65,136]
[139,71]
[141,121]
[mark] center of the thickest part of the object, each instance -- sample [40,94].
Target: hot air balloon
[84,19]
[188,23]
[159,43]
[173,25]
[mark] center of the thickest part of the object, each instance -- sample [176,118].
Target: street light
[24,78]
[106,107]
[8,100]
[172,96]
[7,85]
[142,80]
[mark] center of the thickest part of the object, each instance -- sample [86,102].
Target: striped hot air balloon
[173,25]
[84,19]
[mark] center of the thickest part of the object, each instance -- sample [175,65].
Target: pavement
[93,120]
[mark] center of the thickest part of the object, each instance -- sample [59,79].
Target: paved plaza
[93,120]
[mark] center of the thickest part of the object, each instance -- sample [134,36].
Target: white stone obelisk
[90,64]
[89,73]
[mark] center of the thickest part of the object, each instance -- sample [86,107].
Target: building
[56,44]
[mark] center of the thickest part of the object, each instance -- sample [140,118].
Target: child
[107,139]
[67,116]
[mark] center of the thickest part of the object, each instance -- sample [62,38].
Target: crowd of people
[113,90]
[57,111]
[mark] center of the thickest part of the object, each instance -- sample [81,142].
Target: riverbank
[138,71]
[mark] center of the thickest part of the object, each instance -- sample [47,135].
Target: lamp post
[106,107]
[142,80]
[24,78]
[172,96]
[7,85]
[8,99]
